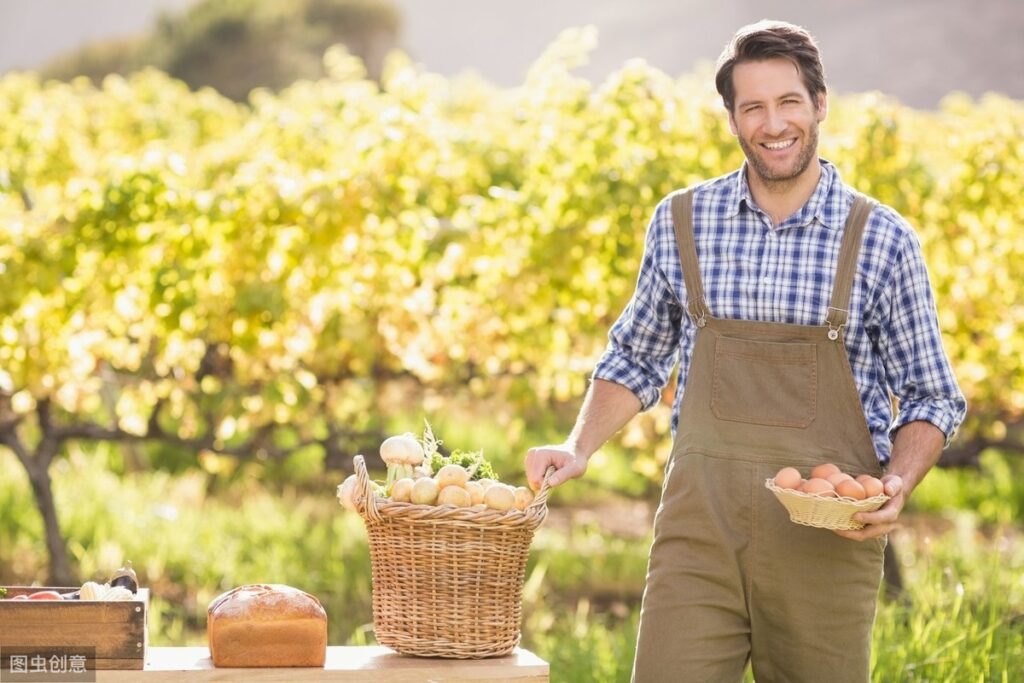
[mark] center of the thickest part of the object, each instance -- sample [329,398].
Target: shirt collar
[822,204]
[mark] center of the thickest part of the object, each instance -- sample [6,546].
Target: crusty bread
[266,625]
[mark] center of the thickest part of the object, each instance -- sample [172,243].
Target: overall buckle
[836,322]
[700,317]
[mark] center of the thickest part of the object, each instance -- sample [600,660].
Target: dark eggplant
[125,576]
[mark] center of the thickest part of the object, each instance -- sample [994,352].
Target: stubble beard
[779,181]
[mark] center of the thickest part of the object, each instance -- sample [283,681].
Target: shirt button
[767,280]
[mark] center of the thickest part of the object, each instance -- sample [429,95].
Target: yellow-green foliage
[315,245]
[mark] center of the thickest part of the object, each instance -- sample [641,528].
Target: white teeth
[779,145]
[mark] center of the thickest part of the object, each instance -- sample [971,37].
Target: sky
[916,50]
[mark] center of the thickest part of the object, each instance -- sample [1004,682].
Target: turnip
[476,492]
[452,475]
[424,491]
[454,495]
[401,490]
[401,453]
[500,497]
[523,497]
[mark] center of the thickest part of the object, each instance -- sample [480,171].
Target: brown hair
[771,40]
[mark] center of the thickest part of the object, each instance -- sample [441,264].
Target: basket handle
[363,496]
[541,498]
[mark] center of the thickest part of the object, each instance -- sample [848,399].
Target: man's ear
[732,124]
[822,106]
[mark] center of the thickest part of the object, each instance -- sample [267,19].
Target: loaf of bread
[266,625]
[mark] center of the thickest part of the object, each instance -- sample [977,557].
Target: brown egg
[788,478]
[872,486]
[850,489]
[819,486]
[834,479]
[824,471]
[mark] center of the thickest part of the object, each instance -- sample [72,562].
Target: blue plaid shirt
[752,271]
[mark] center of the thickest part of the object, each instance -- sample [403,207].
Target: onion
[476,492]
[424,491]
[454,495]
[500,497]
[346,493]
[452,475]
[523,497]
[401,491]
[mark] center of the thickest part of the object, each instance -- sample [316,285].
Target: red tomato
[45,595]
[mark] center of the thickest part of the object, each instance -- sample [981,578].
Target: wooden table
[364,664]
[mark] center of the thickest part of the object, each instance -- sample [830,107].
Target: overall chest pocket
[765,383]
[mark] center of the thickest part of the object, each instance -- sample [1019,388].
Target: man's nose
[774,124]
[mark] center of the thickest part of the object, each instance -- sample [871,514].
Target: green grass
[191,537]
[994,491]
[962,618]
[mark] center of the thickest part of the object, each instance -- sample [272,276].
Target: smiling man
[796,309]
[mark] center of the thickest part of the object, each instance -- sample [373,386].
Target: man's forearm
[606,409]
[915,450]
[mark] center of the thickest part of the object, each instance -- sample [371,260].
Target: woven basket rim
[836,500]
[822,511]
[374,509]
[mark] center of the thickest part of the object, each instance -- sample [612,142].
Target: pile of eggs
[828,480]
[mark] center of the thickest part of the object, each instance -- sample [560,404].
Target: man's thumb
[893,485]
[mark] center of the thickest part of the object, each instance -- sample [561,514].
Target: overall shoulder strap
[682,222]
[849,251]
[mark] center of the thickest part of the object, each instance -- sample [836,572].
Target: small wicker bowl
[825,512]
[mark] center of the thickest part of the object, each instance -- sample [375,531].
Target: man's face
[775,119]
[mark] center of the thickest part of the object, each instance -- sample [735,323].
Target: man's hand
[884,519]
[916,449]
[568,465]
[606,408]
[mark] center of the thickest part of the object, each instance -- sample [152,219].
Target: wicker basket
[826,512]
[447,581]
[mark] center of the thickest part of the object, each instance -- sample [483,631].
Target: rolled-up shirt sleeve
[643,344]
[917,368]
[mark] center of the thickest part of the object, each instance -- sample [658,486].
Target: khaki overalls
[730,577]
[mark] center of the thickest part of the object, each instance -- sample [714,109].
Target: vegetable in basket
[434,461]
[473,461]
[401,453]
[420,474]
[347,491]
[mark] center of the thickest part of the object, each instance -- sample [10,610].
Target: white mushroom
[401,453]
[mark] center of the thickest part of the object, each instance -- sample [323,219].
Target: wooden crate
[112,635]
